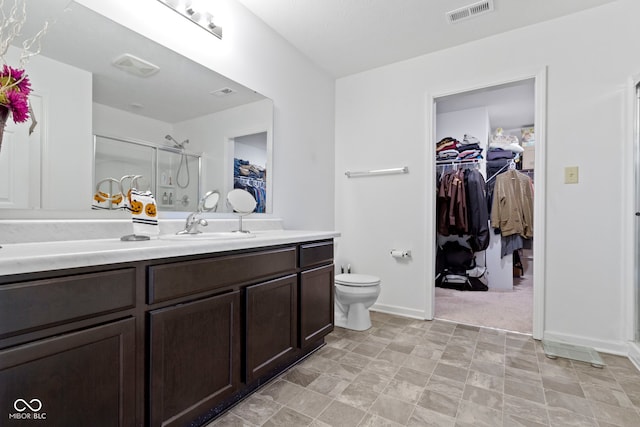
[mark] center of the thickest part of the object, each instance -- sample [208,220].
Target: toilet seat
[356,280]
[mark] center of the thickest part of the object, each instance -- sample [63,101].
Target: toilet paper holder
[400,253]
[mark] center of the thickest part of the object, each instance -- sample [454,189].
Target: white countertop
[16,258]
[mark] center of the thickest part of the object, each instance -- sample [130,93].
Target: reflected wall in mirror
[89,80]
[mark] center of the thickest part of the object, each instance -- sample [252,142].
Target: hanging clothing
[477,210]
[255,187]
[251,178]
[512,209]
[510,244]
[452,204]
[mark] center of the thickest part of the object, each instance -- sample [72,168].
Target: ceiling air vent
[470,11]
[223,92]
[134,65]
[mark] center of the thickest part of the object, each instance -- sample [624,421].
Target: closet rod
[457,162]
[511,164]
[391,171]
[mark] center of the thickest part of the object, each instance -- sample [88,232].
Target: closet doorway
[496,131]
[634,249]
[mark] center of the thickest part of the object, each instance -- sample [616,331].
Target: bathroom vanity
[157,333]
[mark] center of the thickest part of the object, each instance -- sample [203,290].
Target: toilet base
[357,319]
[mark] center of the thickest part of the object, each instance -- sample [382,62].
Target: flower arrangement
[15,86]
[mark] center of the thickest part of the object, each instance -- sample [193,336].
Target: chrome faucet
[193,221]
[208,203]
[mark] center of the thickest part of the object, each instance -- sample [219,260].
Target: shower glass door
[178,179]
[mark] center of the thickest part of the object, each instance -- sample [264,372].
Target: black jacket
[478,214]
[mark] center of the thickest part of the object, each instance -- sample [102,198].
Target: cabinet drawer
[316,253]
[43,303]
[175,280]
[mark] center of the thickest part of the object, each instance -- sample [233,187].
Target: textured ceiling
[349,36]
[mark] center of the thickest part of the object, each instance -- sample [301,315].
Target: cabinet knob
[637,213]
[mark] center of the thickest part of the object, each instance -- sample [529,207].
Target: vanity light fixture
[194,14]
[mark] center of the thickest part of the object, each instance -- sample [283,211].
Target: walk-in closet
[484,198]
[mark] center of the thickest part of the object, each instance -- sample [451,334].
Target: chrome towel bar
[404,169]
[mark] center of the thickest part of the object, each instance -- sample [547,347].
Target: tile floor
[405,372]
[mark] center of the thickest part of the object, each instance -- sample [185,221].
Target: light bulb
[180,5]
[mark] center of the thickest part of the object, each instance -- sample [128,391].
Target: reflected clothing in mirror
[251,178]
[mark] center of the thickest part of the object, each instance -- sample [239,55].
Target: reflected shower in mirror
[171,174]
[141,100]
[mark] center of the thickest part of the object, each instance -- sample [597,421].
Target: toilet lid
[357,280]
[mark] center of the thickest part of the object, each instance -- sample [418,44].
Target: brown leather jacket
[452,204]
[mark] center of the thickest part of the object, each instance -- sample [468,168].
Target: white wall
[252,148]
[457,124]
[61,144]
[380,122]
[108,121]
[254,55]
[213,136]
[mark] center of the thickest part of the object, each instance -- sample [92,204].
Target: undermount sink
[222,235]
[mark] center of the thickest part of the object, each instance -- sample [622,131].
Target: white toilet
[355,293]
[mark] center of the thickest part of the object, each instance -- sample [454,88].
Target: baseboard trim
[634,354]
[619,348]
[400,311]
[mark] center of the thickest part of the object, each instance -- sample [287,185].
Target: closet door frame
[631,222]
[539,210]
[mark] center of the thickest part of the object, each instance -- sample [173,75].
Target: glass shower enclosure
[171,174]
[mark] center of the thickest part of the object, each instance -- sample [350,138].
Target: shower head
[170,138]
[176,143]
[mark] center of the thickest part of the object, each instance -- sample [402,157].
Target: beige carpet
[509,310]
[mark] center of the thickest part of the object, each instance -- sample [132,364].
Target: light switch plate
[571,175]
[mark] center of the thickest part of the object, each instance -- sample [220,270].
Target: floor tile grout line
[457,338]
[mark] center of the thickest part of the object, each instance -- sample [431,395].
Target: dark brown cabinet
[195,358]
[271,322]
[79,378]
[164,342]
[316,304]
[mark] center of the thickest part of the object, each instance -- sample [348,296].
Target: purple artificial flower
[14,95]
[19,106]
[15,75]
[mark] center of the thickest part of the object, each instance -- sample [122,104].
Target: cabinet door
[316,304]
[271,319]
[195,358]
[80,378]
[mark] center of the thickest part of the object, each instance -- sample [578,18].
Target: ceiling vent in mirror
[470,11]
[223,92]
[134,65]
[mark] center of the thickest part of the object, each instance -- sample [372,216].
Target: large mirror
[99,88]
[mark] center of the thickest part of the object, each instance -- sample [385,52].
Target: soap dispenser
[165,199]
